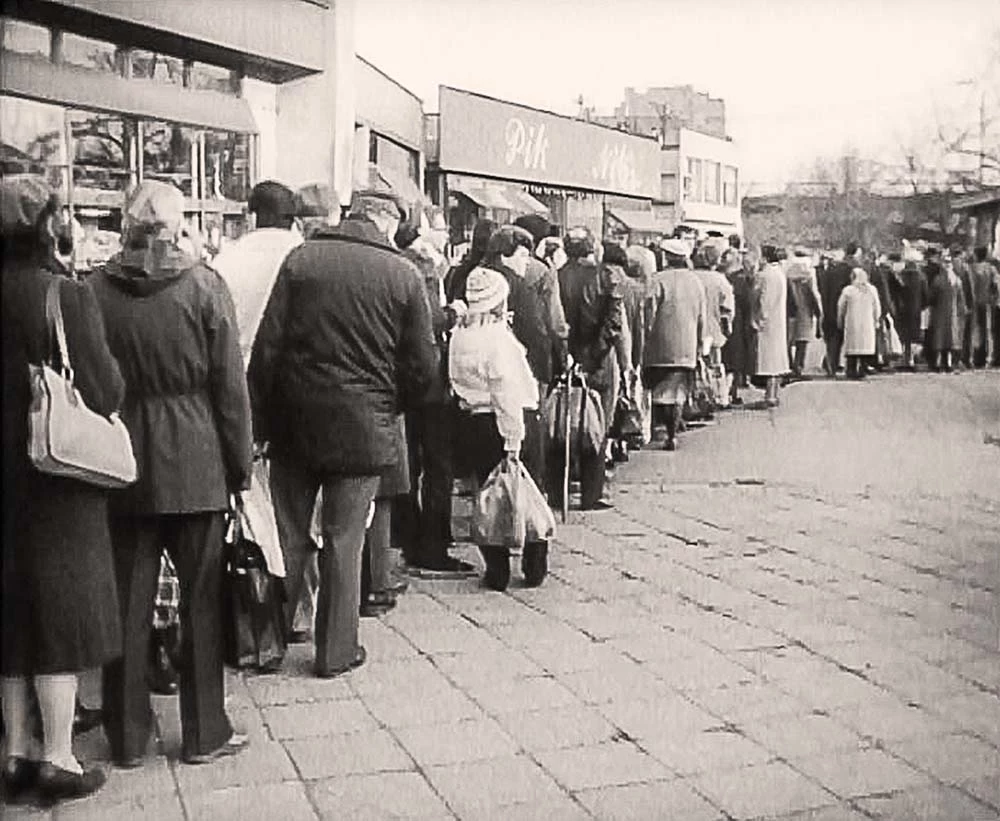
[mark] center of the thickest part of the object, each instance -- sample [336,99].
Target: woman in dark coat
[59,600]
[909,290]
[739,352]
[172,326]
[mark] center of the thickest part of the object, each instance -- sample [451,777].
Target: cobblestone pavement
[795,616]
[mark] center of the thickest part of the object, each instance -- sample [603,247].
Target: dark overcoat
[739,354]
[172,326]
[344,347]
[60,602]
[910,297]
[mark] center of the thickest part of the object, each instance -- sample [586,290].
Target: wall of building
[387,107]
[685,107]
[691,207]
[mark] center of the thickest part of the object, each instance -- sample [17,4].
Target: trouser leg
[293,491]
[591,478]
[128,716]
[670,415]
[407,527]
[195,545]
[377,558]
[437,481]
[800,357]
[346,500]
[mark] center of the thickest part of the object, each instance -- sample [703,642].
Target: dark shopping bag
[254,601]
[628,419]
[510,509]
[701,404]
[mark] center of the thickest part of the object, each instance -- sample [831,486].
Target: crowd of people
[347,369]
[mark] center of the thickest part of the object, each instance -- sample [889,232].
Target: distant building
[699,168]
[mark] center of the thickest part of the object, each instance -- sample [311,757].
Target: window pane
[167,150]
[26,38]
[87,53]
[712,182]
[151,66]
[34,140]
[227,166]
[211,78]
[395,157]
[103,151]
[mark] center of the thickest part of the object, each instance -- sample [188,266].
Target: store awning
[498,196]
[403,186]
[642,222]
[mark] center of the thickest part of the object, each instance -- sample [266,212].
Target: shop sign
[488,137]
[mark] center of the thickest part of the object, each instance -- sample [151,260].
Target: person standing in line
[911,296]
[947,296]
[770,322]
[677,319]
[345,346]
[171,325]
[422,517]
[592,295]
[720,302]
[806,304]
[60,611]
[497,395]
[836,277]
[984,277]
[859,311]
[738,354]
[454,281]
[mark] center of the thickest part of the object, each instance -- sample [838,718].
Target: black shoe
[299,636]
[360,657]
[86,719]
[19,776]
[378,604]
[497,575]
[670,444]
[56,784]
[535,563]
[237,743]
[162,677]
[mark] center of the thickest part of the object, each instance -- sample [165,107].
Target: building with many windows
[96,96]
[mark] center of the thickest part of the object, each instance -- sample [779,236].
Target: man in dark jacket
[171,325]
[345,345]
[422,517]
[831,283]
[592,296]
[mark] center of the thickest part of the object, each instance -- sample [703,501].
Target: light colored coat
[858,313]
[720,304]
[676,317]
[770,318]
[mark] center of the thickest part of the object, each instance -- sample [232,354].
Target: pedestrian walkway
[736,640]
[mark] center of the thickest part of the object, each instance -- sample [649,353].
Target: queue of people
[347,375]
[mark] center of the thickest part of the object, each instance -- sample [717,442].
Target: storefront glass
[85,52]
[34,140]
[148,65]
[104,155]
[169,154]
[26,38]
[227,165]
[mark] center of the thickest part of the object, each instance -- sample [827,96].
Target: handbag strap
[54,321]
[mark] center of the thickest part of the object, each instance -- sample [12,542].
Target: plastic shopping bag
[259,511]
[894,344]
[510,510]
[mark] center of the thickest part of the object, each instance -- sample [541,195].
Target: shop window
[34,141]
[211,78]
[26,38]
[227,166]
[730,189]
[693,180]
[712,182]
[105,158]
[148,65]
[97,55]
[169,154]
[393,156]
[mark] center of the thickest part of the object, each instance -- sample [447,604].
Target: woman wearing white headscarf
[858,312]
[495,388]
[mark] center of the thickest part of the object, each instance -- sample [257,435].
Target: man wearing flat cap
[345,346]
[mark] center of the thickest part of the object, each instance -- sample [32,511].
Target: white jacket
[489,373]
[250,266]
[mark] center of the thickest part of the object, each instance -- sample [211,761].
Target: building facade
[658,111]
[489,158]
[97,96]
[700,182]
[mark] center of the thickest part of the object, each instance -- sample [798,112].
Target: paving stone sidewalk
[708,650]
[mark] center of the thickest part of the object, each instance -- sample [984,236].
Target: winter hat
[579,243]
[536,225]
[676,247]
[155,204]
[485,289]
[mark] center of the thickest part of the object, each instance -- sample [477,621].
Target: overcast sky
[801,78]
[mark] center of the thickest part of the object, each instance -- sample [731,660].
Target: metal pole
[982,139]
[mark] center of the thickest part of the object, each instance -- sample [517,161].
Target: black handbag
[254,602]
[627,423]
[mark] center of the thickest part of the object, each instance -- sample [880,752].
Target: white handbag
[65,437]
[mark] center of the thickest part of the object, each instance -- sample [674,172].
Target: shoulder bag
[65,437]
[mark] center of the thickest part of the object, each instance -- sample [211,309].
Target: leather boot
[497,575]
[162,675]
[535,563]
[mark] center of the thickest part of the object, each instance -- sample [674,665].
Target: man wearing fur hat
[345,346]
